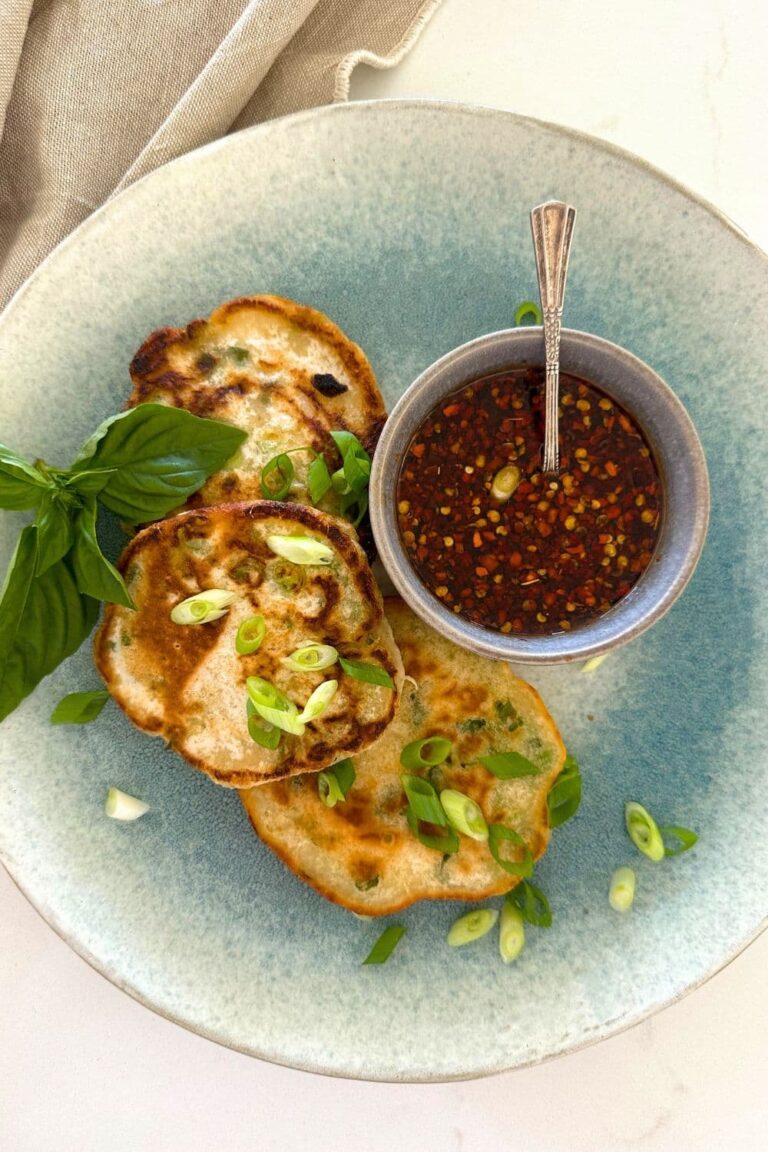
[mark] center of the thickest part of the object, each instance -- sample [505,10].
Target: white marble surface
[682,83]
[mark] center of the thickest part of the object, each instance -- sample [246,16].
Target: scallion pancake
[361,853]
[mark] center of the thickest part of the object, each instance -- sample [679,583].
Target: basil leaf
[89,483]
[54,531]
[94,574]
[43,619]
[160,456]
[79,707]
[509,765]
[21,485]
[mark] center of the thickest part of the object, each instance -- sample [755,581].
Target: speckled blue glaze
[408,224]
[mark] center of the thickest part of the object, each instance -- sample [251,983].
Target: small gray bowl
[676,448]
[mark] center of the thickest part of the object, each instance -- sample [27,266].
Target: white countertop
[83,1068]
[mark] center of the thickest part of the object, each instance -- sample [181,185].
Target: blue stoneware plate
[408,224]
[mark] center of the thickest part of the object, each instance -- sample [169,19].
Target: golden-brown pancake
[361,853]
[187,683]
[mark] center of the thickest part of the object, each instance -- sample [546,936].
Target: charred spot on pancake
[205,363]
[327,384]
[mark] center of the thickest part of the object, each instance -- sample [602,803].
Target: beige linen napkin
[94,94]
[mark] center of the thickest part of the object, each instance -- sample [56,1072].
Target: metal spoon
[552,228]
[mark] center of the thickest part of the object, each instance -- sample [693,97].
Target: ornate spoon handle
[552,228]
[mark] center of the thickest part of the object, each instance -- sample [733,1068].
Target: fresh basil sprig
[141,465]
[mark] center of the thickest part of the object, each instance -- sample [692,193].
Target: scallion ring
[264,734]
[318,479]
[301,550]
[446,841]
[498,834]
[621,894]
[511,932]
[423,800]
[250,635]
[684,836]
[426,753]
[472,927]
[532,903]
[528,309]
[277,477]
[464,814]
[644,831]
[120,806]
[334,783]
[319,701]
[565,795]
[509,765]
[274,706]
[311,657]
[385,945]
[203,607]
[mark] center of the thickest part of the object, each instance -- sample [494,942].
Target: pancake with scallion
[186,681]
[282,371]
[361,853]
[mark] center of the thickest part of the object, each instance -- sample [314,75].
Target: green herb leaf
[385,945]
[79,707]
[94,574]
[318,479]
[43,619]
[89,483]
[55,531]
[499,834]
[368,673]
[160,456]
[532,903]
[21,484]
[684,836]
[509,765]
[565,794]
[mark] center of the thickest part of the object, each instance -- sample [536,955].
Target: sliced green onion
[532,903]
[335,782]
[120,806]
[288,577]
[594,663]
[685,837]
[277,477]
[368,673]
[385,945]
[356,463]
[643,831]
[497,835]
[319,701]
[426,753]
[446,841]
[204,607]
[301,549]
[250,635]
[565,794]
[274,706]
[423,800]
[464,814]
[622,891]
[318,479]
[311,658]
[511,932]
[505,482]
[79,707]
[472,927]
[266,735]
[528,309]
[509,765]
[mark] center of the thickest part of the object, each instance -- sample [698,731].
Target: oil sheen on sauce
[557,551]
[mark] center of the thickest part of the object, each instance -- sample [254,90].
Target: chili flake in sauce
[560,550]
